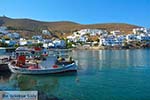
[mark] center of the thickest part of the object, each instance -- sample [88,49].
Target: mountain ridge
[34,26]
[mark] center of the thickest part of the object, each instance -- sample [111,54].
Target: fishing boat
[58,65]
[31,68]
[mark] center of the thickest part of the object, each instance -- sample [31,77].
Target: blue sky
[80,11]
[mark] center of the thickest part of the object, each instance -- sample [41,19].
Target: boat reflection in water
[46,85]
[4,76]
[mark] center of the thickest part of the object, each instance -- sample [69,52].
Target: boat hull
[66,68]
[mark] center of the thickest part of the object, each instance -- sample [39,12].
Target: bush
[69,45]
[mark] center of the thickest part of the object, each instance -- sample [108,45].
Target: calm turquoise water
[102,75]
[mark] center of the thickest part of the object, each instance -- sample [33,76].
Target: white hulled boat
[34,69]
[55,65]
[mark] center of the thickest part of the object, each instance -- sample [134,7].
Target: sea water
[101,75]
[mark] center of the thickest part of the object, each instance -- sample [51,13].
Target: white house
[139,30]
[148,31]
[48,43]
[71,38]
[59,43]
[11,42]
[115,32]
[83,38]
[92,32]
[37,37]
[83,31]
[3,30]
[16,35]
[110,40]
[46,32]
[13,35]
[22,41]
[143,37]
[131,37]
[76,38]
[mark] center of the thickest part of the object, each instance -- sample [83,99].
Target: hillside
[28,27]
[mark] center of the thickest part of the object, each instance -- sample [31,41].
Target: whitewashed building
[143,37]
[22,41]
[139,30]
[3,30]
[115,32]
[131,37]
[13,35]
[11,42]
[111,40]
[148,31]
[71,38]
[47,43]
[92,32]
[83,38]
[46,32]
[37,37]
[59,43]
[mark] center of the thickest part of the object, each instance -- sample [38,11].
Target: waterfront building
[47,43]
[111,40]
[59,43]
[11,42]
[143,37]
[131,37]
[22,42]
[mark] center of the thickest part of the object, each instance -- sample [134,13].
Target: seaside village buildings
[14,38]
[112,38]
[82,35]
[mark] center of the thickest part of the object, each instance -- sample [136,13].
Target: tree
[69,45]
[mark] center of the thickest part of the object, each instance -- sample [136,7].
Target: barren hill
[29,27]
